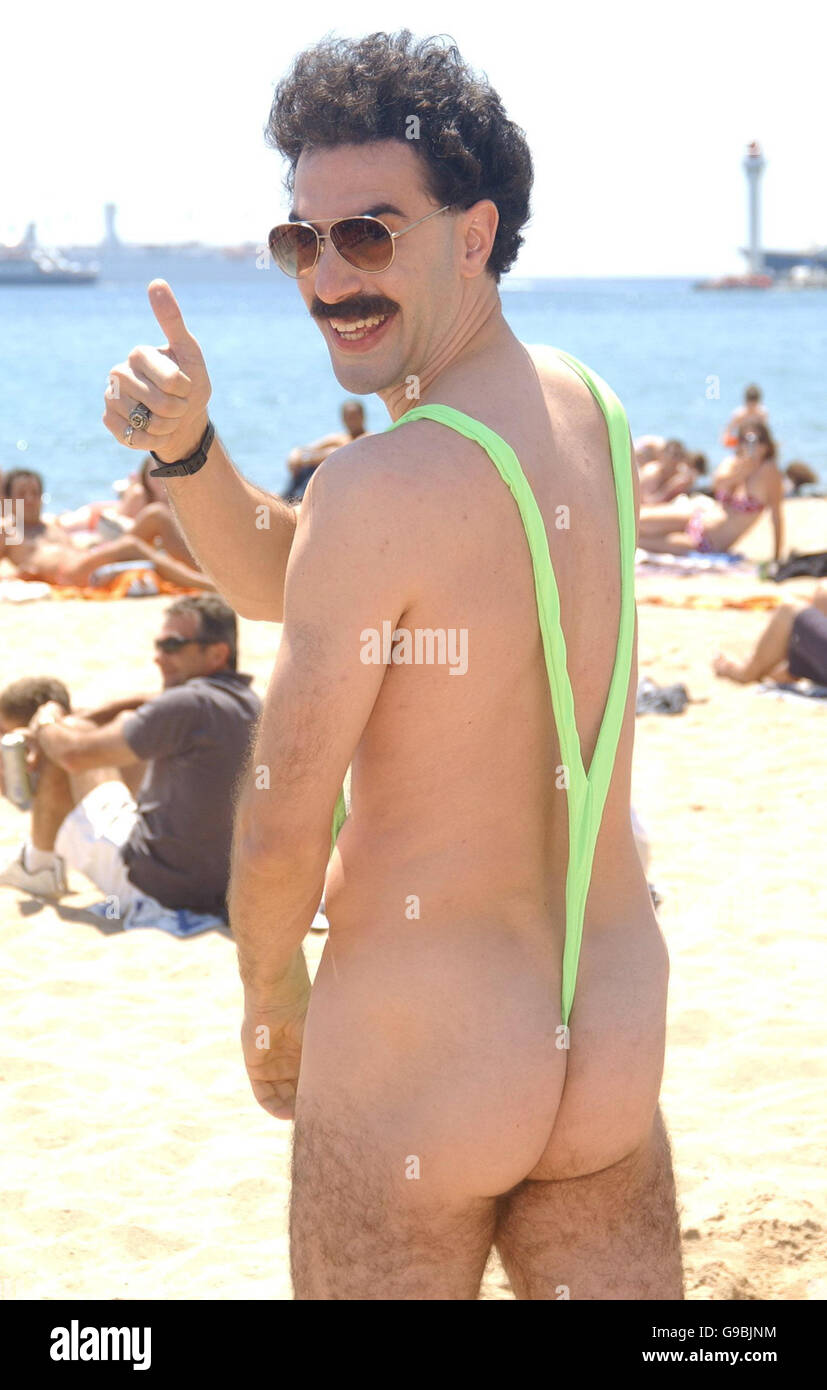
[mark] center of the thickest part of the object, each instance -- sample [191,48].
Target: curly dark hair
[357,91]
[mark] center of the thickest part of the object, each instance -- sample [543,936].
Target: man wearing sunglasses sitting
[180,750]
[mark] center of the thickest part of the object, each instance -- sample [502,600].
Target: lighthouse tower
[110,240]
[754,163]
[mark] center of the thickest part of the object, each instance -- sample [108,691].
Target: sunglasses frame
[180,643]
[322,237]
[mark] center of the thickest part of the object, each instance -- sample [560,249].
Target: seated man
[45,551]
[792,647]
[172,845]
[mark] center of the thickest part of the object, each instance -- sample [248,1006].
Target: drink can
[16,777]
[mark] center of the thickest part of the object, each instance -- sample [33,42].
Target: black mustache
[351,310]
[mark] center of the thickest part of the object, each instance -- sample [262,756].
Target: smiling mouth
[351,330]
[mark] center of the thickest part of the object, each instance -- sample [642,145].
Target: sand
[136,1163]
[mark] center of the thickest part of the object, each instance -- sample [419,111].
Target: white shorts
[90,840]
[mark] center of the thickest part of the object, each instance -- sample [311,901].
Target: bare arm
[78,750]
[102,714]
[316,452]
[240,535]
[342,579]
[777,516]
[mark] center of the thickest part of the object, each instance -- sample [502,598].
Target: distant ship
[736,282]
[29,264]
[781,262]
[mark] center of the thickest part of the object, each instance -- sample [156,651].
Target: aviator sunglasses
[174,644]
[364,242]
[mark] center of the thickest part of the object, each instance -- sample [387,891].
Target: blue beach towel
[148,913]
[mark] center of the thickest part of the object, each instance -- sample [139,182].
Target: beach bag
[814,565]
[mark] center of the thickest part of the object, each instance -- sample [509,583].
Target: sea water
[678,358]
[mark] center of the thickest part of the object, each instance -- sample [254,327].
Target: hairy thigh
[368,1221]
[613,1234]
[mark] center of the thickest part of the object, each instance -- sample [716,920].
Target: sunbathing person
[666,477]
[140,490]
[793,645]
[745,484]
[46,552]
[649,448]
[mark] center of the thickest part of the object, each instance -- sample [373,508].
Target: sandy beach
[136,1162]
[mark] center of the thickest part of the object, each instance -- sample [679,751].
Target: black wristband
[187,465]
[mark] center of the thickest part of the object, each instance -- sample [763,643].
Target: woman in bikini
[746,482]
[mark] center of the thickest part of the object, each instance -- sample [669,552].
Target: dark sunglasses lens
[170,644]
[363,243]
[293,248]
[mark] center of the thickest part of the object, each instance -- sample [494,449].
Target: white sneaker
[44,883]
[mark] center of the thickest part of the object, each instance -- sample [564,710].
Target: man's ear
[480,234]
[224,649]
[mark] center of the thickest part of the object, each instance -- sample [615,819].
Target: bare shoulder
[551,368]
[388,490]
[576,409]
[557,376]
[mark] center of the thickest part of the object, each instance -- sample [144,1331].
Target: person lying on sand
[170,843]
[792,647]
[44,551]
[745,484]
[140,490]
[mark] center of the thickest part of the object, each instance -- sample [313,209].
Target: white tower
[754,163]
[110,239]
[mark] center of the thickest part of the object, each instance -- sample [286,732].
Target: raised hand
[171,381]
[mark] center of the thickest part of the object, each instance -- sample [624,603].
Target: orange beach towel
[118,585]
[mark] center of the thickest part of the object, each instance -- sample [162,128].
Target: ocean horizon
[678,359]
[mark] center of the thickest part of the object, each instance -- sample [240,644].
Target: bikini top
[586,791]
[745,503]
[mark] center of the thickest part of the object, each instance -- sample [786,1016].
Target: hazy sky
[637,115]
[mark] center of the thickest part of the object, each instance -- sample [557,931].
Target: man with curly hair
[449,1090]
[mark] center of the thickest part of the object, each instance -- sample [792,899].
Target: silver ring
[139,416]
[128,433]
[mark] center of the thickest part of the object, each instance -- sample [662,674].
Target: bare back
[459,811]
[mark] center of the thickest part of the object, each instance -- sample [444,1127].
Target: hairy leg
[609,1235]
[367,1224]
